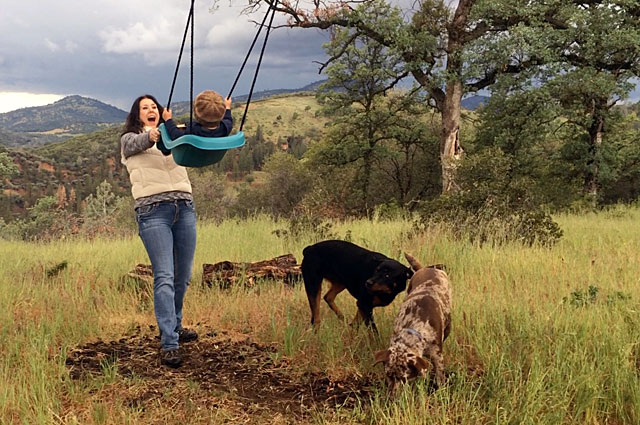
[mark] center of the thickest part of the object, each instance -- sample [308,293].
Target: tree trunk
[450,150]
[593,162]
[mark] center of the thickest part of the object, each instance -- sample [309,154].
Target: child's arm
[170,125]
[227,119]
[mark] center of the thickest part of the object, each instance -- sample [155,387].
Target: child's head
[209,108]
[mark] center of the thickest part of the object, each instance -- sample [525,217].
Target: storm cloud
[114,50]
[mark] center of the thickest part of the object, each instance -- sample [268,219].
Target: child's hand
[166,114]
[227,102]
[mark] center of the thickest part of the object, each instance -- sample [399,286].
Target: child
[212,117]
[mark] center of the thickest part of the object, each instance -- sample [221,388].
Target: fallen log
[227,274]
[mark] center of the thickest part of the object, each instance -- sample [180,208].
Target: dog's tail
[415,264]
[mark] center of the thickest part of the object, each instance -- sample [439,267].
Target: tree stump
[227,274]
[140,279]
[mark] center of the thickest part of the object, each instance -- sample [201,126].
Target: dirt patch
[222,367]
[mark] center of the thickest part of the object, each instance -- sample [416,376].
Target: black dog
[371,277]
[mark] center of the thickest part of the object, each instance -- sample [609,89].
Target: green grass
[522,350]
[283,116]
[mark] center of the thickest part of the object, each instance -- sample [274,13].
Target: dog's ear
[381,356]
[421,363]
[415,264]
[418,366]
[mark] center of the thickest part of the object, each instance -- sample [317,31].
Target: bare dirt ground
[220,370]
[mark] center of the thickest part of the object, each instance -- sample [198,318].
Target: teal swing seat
[197,151]
[190,150]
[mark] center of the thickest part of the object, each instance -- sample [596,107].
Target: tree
[591,51]
[286,183]
[7,167]
[410,170]
[598,47]
[210,194]
[101,206]
[525,125]
[354,97]
[443,48]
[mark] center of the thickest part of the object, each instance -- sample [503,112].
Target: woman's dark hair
[133,124]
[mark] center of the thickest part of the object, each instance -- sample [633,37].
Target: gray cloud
[113,50]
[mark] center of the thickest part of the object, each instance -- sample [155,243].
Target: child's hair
[209,108]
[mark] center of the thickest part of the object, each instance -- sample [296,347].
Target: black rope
[191,78]
[190,23]
[255,75]
[184,39]
[253,43]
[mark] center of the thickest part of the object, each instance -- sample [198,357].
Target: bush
[45,222]
[303,225]
[491,206]
[286,183]
[493,221]
[212,198]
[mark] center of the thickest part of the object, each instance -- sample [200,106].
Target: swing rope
[184,38]
[190,25]
[255,75]
[191,69]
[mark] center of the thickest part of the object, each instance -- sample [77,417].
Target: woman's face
[149,114]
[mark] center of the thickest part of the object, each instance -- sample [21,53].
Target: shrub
[286,184]
[492,206]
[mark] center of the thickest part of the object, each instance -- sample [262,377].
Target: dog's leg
[313,288]
[434,354]
[447,329]
[365,314]
[330,297]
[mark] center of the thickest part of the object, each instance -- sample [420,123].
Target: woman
[166,221]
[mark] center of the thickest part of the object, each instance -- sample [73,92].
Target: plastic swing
[191,150]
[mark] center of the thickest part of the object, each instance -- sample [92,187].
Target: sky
[116,50]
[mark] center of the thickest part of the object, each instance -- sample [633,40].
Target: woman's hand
[154,135]
[167,114]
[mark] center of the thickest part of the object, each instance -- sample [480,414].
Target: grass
[522,350]
[283,116]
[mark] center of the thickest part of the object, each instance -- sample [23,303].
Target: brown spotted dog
[420,328]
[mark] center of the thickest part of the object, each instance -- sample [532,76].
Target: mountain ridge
[69,116]
[75,115]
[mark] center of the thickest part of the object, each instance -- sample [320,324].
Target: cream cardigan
[151,173]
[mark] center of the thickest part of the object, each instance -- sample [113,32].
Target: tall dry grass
[540,335]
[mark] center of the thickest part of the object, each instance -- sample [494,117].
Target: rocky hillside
[77,165]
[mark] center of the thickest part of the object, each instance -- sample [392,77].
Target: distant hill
[77,115]
[474,102]
[182,107]
[60,120]
[11,139]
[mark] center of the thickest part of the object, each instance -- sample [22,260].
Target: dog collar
[414,332]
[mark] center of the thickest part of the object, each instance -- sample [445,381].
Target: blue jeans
[168,231]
